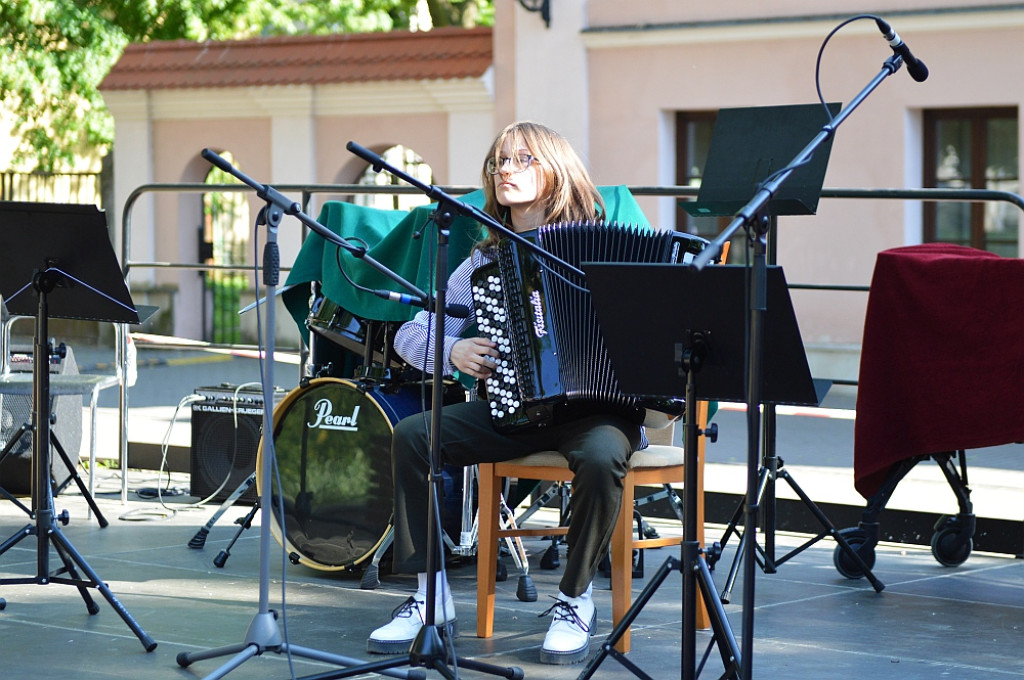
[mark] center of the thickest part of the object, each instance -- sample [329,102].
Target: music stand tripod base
[691,563]
[65,252]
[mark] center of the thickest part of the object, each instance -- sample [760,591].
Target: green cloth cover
[390,237]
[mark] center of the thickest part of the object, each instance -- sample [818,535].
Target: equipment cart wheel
[952,542]
[857,538]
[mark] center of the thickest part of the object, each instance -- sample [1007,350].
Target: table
[942,362]
[942,371]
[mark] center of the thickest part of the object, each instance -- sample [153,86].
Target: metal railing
[308,191]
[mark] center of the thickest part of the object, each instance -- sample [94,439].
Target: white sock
[585,595]
[440,589]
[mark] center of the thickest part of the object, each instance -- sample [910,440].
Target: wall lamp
[542,6]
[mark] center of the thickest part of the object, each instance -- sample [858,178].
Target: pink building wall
[610,75]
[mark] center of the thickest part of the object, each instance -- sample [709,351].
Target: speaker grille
[223,456]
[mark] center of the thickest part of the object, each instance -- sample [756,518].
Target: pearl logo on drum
[326,420]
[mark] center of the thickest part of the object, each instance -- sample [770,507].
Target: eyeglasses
[516,163]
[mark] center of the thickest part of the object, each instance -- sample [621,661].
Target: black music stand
[747,146]
[712,298]
[63,251]
[699,350]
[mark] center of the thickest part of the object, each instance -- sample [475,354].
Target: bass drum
[332,440]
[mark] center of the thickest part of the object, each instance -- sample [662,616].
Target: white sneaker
[572,623]
[406,621]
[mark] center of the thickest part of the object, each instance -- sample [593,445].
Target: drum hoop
[278,531]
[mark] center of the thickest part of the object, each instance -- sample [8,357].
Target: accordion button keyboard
[491,319]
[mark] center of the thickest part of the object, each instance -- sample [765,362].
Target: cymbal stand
[198,541]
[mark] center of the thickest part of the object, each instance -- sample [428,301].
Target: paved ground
[810,622]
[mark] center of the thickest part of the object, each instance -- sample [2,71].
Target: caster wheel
[856,538]
[949,549]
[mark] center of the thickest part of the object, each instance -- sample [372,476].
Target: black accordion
[554,364]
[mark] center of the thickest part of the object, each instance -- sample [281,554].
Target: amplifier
[223,455]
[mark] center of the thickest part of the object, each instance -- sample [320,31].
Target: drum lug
[374,374]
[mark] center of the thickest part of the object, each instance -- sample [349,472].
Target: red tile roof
[443,53]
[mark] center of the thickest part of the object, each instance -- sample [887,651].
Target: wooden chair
[659,464]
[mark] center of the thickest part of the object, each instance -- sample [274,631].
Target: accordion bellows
[554,364]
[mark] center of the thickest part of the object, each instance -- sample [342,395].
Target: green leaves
[55,53]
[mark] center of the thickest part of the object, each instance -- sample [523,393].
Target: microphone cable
[817,87]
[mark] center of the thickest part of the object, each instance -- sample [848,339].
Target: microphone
[216,159]
[454,311]
[915,67]
[370,157]
[457,311]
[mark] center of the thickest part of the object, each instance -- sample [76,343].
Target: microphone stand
[287,206]
[754,217]
[263,633]
[428,649]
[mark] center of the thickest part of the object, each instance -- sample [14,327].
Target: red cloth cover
[942,364]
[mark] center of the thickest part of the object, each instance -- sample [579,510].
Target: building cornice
[388,97]
[798,27]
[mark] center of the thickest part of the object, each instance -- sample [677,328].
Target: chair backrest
[663,436]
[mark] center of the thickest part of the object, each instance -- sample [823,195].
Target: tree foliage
[56,52]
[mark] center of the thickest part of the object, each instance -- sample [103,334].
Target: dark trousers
[596,448]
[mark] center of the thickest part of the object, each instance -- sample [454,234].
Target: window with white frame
[972,149]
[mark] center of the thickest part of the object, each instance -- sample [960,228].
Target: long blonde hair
[567,192]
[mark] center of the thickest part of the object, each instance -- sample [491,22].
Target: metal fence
[308,191]
[49,187]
